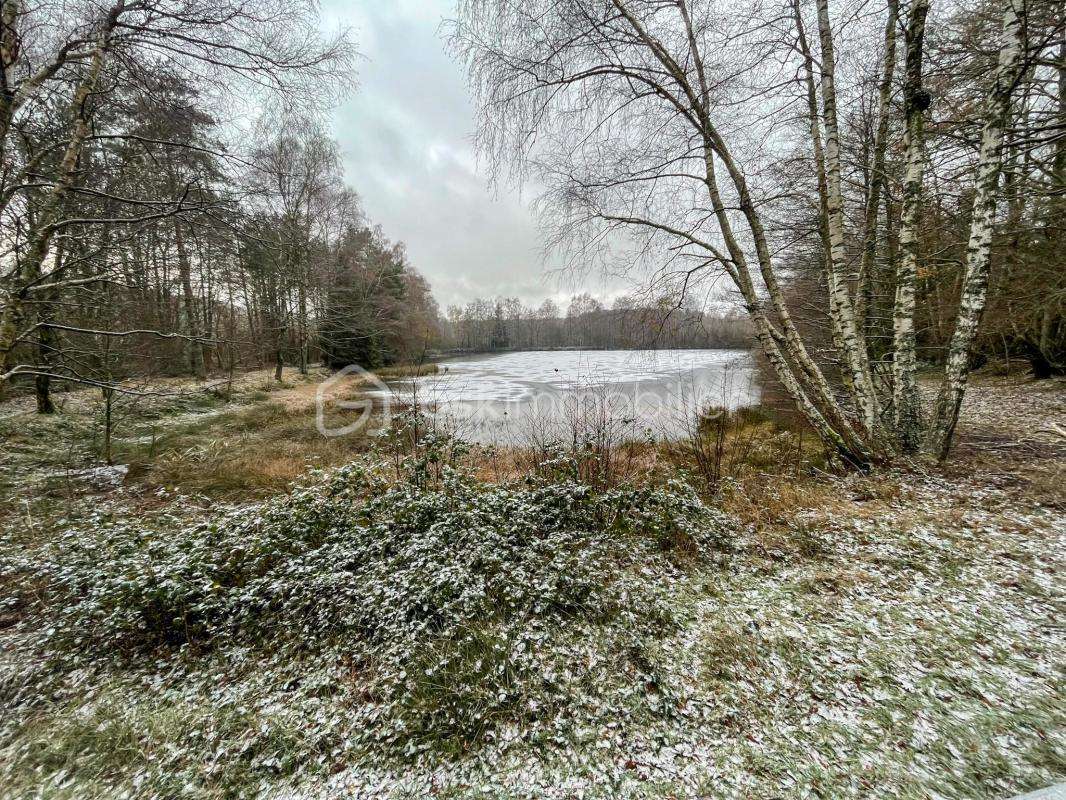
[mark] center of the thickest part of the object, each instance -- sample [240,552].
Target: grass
[406,371]
[896,693]
[248,452]
[251,443]
[726,448]
[890,636]
[259,438]
[84,748]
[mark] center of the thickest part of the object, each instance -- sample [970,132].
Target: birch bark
[905,399]
[818,152]
[816,402]
[978,251]
[854,349]
[9,54]
[864,294]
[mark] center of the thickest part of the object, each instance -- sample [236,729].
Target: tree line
[629,323]
[169,203]
[871,184]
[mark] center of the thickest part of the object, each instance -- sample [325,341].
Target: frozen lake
[506,397]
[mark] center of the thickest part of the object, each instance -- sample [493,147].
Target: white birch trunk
[905,399]
[815,129]
[978,251]
[815,400]
[854,355]
[863,297]
[9,53]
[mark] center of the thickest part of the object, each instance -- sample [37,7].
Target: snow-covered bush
[461,606]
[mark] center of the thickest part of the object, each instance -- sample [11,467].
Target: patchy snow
[901,638]
[911,658]
[103,476]
[491,398]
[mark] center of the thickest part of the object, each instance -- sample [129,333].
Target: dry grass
[856,612]
[252,450]
[626,462]
[248,442]
[769,471]
[725,447]
[407,371]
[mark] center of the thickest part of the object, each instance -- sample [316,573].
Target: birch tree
[876,183]
[654,127]
[978,252]
[906,403]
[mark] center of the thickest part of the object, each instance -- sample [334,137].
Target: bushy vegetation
[724,446]
[442,611]
[439,619]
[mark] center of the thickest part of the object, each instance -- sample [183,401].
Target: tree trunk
[1039,362]
[42,383]
[816,403]
[42,391]
[854,355]
[303,329]
[192,318]
[801,377]
[9,52]
[109,394]
[865,289]
[885,284]
[978,252]
[823,186]
[905,399]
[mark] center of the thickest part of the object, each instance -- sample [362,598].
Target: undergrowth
[373,616]
[570,627]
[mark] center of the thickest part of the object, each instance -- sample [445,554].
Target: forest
[761,303]
[139,242]
[826,177]
[629,323]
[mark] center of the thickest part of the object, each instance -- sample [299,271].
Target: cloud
[406,138]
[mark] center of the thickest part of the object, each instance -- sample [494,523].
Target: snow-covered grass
[251,440]
[377,619]
[413,631]
[910,649]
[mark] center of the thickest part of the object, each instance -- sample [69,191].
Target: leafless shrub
[591,436]
[725,445]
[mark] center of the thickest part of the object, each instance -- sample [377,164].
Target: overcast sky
[406,139]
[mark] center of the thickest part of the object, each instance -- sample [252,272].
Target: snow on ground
[909,646]
[893,636]
[915,652]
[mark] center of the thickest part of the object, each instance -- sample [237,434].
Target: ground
[891,635]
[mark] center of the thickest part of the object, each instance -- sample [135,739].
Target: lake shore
[508,398]
[854,636]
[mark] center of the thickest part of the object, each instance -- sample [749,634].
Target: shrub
[463,605]
[724,445]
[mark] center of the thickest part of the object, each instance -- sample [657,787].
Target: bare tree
[656,123]
[68,62]
[997,107]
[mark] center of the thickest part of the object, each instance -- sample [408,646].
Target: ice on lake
[504,397]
